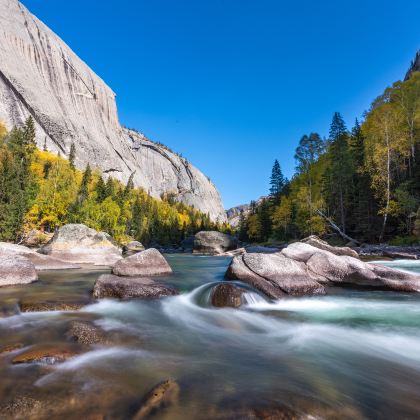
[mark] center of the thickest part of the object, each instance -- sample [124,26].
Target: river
[352,352]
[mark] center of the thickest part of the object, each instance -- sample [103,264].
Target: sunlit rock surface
[41,76]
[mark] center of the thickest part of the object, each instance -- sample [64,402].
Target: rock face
[15,269]
[301,269]
[41,76]
[81,245]
[146,263]
[213,243]
[41,262]
[110,286]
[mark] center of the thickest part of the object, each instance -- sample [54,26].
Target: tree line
[362,183]
[42,190]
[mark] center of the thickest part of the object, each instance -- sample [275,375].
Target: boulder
[337,250]
[302,269]
[146,263]
[227,295]
[213,243]
[79,244]
[15,269]
[41,262]
[36,238]
[110,286]
[132,248]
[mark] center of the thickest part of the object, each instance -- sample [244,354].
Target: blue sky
[234,84]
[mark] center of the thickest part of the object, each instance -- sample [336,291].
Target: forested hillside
[362,182]
[41,190]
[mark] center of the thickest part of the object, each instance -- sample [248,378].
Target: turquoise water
[354,353]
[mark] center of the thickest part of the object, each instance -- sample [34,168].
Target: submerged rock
[302,269]
[48,353]
[111,286]
[85,332]
[161,396]
[79,244]
[213,243]
[41,262]
[337,250]
[15,269]
[45,306]
[227,295]
[146,263]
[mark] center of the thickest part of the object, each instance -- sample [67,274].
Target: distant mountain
[41,76]
[234,213]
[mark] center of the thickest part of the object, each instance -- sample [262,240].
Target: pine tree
[100,189]
[72,156]
[276,182]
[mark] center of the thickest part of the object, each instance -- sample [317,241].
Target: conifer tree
[276,182]
[72,156]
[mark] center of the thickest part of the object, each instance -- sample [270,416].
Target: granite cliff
[41,76]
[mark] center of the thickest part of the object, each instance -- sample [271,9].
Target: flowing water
[356,353]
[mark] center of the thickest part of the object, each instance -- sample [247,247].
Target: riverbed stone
[111,286]
[213,243]
[146,263]
[41,262]
[15,270]
[161,396]
[79,244]
[47,353]
[45,306]
[227,295]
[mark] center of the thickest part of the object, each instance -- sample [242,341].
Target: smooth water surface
[355,352]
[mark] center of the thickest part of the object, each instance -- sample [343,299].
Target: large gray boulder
[15,269]
[302,269]
[41,76]
[111,286]
[337,250]
[213,243]
[79,244]
[146,263]
[41,262]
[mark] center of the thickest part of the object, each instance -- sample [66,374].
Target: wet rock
[8,348]
[400,255]
[111,286]
[41,262]
[161,396]
[30,306]
[15,269]
[36,238]
[237,270]
[78,244]
[84,332]
[213,243]
[132,248]
[146,263]
[319,243]
[227,295]
[48,353]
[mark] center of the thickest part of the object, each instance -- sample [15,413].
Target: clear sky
[234,84]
